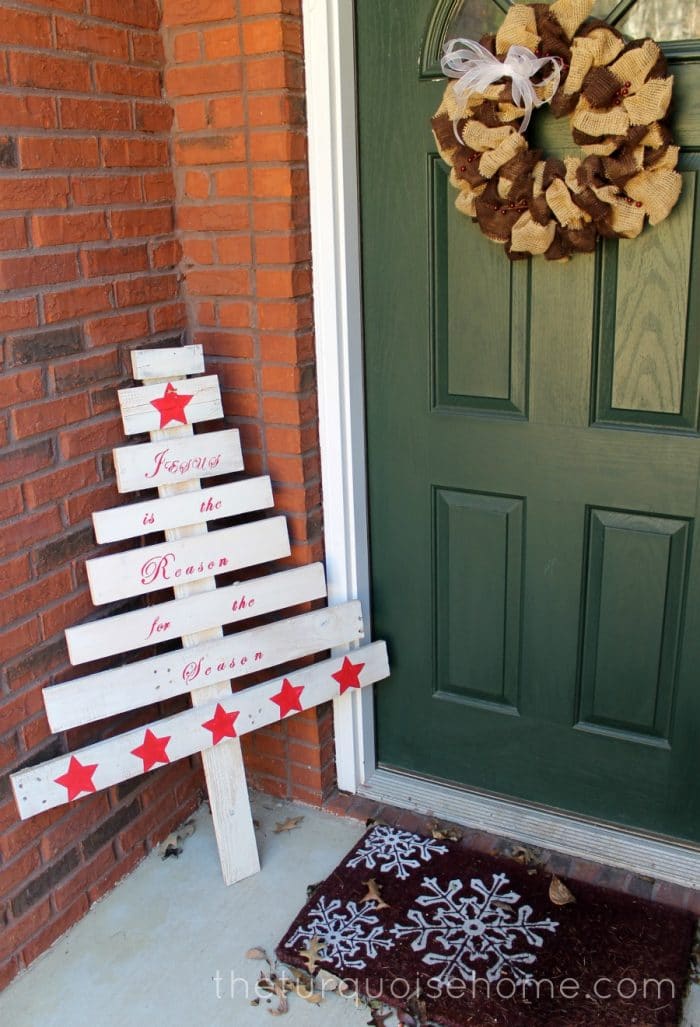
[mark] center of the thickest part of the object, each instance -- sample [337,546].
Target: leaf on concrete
[287,825]
[559,894]
[442,832]
[311,953]
[256,953]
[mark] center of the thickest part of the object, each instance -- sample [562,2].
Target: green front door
[534,462]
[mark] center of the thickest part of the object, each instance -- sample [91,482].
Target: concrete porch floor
[165,945]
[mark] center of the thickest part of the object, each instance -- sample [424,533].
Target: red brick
[69,152]
[148,48]
[284,145]
[232,182]
[134,292]
[159,186]
[221,42]
[203,80]
[153,117]
[18,314]
[28,600]
[198,251]
[212,217]
[126,865]
[257,7]
[80,508]
[61,482]
[234,249]
[21,387]
[187,47]
[215,149]
[281,217]
[13,234]
[91,37]
[127,81]
[283,284]
[114,260]
[285,379]
[38,418]
[144,222]
[25,29]
[276,315]
[46,937]
[30,111]
[283,249]
[218,283]
[279,182]
[33,193]
[91,438]
[276,109]
[197,184]
[192,12]
[106,190]
[59,74]
[227,112]
[169,316]
[72,826]
[287,349]
[98,115]
[8,971]
[13,874]
[191,115]
[15,572]
[23,272]
[60,229]
[118,328]
[226,344]
[79,883]
[270,73]
[11,503]
[235,315]
[272,35]
[65,306]
[21,461]
[142,13]
[68,611]
[165,255]
[237,375]
[14,936]
[134,153]
[12,643]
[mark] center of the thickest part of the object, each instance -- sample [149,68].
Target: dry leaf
[374,894]
[281,1009]
[172,846]
[328,981]
[379,1019]
[287,825]
[559,894]
[441,832]
[256,953]
[311,953]
[309,995]
[523,854]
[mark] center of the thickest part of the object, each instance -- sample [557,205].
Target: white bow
[477,69]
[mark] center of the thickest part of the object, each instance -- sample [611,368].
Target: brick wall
[234,77]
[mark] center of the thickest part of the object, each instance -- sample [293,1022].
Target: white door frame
[329,48]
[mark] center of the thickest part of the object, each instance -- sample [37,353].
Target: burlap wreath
[617,95]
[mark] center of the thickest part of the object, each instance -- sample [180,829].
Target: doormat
[459,938]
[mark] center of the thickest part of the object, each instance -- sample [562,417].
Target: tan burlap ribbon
[617,95]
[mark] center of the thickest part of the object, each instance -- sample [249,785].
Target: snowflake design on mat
[346,932]
[389,849]
[482,934]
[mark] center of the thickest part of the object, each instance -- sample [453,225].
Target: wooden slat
[168,564]
[138,519]
[173,619]
[172,461]
[219,659]
[36,789]
[167,363]
[199,400]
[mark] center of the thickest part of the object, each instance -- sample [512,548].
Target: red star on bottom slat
[78,778]
[349,675]
[152,750]
[288,699]
[221,724]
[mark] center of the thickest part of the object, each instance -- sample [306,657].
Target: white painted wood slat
[114,691]
[137,519]
[150,407]
[167,363]
[169,564]
[165,621]
[174,460]
[36,788]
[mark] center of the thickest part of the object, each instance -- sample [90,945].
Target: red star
[221,724]
[288,699]
[152,750]
[171,406]
[77,778]
[348,676]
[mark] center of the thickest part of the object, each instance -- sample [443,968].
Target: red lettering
[158,463]
[157,626]
[155,568]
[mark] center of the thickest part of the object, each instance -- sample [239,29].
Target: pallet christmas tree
[175,461]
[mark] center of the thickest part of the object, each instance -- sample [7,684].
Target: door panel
[533,458]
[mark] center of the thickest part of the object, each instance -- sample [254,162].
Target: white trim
[329,46]
[600,843]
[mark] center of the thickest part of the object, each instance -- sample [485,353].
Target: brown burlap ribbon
[617,95]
